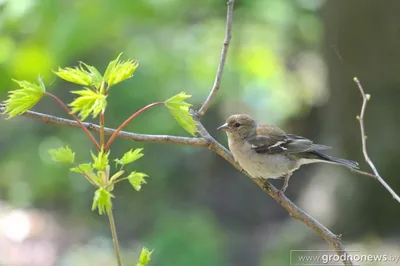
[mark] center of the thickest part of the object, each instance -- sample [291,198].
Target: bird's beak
[224,127]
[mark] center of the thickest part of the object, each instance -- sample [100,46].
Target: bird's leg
[285,184]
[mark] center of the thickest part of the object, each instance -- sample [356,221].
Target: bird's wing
[274,142]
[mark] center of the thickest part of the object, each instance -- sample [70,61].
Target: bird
[266,151]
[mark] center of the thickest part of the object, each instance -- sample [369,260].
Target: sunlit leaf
[137,180]
[102,201]
[101,160]
[116,176]
[118,71]
[180,111]
[62,155]
[145,257]
[95,77]
[130,157]
[86,169]
[75,75]
[89,102]
[82,168]
[84,75]
[110,67]
[21,100]
[179,99]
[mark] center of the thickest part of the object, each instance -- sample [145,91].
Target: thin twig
[224,52]
[365,174]
[114,236]
[366,98]
[78,121]
[127,121]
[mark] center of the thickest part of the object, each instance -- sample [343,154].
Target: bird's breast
[261,165]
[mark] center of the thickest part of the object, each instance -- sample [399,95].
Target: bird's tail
[334,160]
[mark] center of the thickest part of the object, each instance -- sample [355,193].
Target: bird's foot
[281,193]
[284,187]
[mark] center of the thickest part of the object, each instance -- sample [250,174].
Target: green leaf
[62,155]
[145,257]
[179,99]
[130,157]
[102,201]
[89,102]
[180,111]
[84,75]
[137,179]
[95,77]
[82,168]
[86,169]
[110,67]
[75,75]
[118,71]
[116,176]
[101,160]
[21,100]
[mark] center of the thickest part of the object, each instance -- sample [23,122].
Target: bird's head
[239,126]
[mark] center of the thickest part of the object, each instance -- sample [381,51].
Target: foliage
[145,257]
[102,201]
[136,180]
[92,100]
[62,155]
[25,98]
[88,102]
[180,111]
[118,71]
[129,157]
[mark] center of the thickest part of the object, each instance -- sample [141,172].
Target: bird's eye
[236,125]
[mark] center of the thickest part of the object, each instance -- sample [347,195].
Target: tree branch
[360,118]
[224,52]
[49,119]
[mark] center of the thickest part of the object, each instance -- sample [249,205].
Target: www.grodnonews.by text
[328,257]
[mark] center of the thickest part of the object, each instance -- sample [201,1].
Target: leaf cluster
[97,172]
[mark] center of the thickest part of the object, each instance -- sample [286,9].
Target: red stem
[126,122]
[65,107]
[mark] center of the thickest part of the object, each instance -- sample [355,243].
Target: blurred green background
[196,209]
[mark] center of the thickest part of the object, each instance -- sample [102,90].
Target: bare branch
[224,52]
[360,118]
[49,119]
[365,174]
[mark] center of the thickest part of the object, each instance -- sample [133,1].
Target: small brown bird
[266,151]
